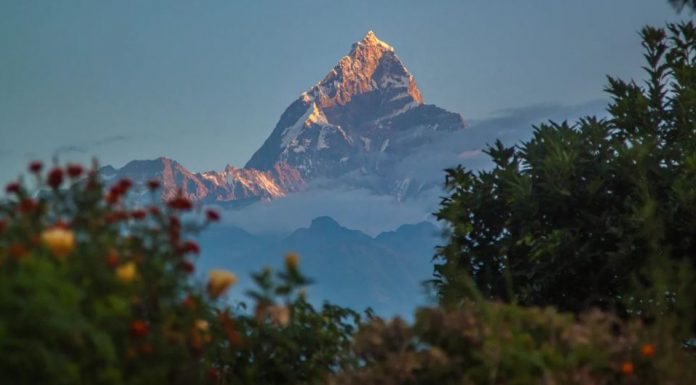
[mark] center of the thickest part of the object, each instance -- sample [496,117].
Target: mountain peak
[361,117]
[371,40]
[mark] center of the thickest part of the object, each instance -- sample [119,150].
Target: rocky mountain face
[363,116]
[352,127]
[229,185]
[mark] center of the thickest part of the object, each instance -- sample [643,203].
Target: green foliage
[97,290]
[582,215]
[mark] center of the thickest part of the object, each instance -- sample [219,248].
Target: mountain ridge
[365,115]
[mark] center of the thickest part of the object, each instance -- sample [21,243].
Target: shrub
[495,343]
[96,290]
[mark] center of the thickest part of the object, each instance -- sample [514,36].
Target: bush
[495,343]
[96,291]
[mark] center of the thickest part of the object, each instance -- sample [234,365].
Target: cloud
[110,140]
[357,209]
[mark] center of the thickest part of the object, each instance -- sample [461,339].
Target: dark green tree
[582,213]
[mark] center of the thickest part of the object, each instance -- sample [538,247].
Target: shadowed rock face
[364,115]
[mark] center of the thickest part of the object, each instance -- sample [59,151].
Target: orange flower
[647,350]
[219,281]
[112,259]
[59,240]
[138,328]
[292,261]
[127,272]
[627,368]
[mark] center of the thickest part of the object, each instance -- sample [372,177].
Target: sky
[205,82]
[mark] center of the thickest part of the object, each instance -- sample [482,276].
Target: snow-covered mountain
[240,185]
[353,127]
[364,115]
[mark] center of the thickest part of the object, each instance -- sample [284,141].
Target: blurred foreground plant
[95,289]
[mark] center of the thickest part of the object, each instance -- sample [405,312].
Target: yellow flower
[127,272]
[219,281]
[292,261]
[202,325]
[59,240]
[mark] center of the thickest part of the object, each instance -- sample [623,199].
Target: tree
[580,214]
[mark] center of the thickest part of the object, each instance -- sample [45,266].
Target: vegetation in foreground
[595,219]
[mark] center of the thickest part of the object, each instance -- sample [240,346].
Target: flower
[35,167]
[292,261]
[74,170]
[213,374]
[12,188]
[627,368]
[147,349]
[60,240]
[180,203]
[55,178]
[189,303]
[647,350]
[201,325]
[212,215]
[153,184]
[190,247]
[138,329]
[127,272]
[187,267]
[112,259]
[28,205]
[17,250]
[219,281]
[138,215]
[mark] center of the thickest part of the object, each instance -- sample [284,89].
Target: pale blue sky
[205,82]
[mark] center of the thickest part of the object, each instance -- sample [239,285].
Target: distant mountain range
[351,268]
[351,128]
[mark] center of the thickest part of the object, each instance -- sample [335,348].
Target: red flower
[212,215]
[187,266]
[55,178]
[627,368]
[74,170]
[138,329]
[112,259]
[174,222]
[138,215]
[154,211]
[189,303]
[647,350]
[17,250]
[27,206]
[180,203]
[213,374]
[35,166]
[190,247]
[147,349]
[153,184]
[12,188]
[125,184]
